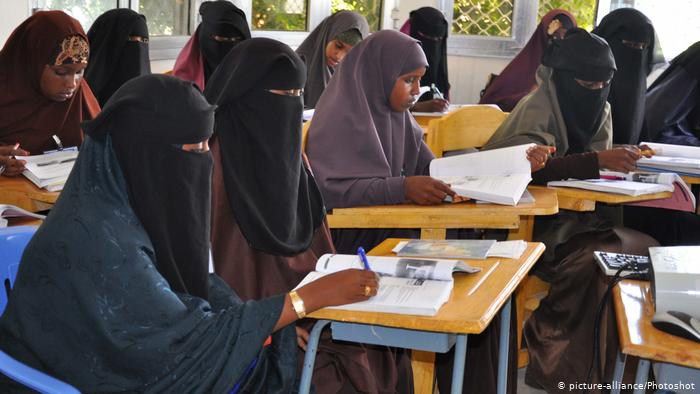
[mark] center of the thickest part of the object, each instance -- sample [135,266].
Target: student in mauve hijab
[119,51]
[569,112]
[223,27]
[365,148]
[108,320]
[42,91]
[325,47]
[429,26]
[268,218]
[633,42]
[518,78]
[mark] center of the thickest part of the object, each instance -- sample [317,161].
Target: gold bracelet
[297,304]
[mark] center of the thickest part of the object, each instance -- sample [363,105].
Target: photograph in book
[449,248]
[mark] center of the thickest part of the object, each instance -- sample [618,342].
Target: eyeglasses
[287,92]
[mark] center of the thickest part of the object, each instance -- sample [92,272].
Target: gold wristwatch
[297,304]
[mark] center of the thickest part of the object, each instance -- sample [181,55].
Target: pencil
[483,278]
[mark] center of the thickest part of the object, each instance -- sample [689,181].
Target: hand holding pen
[9,165]
[368,291]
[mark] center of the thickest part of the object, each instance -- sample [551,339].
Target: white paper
[508,249]
[496,162]
[615,186]
[690,152]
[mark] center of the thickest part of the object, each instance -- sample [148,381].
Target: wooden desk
[460,316]
[19,191]
[434,220]
[634,311]
[584,200]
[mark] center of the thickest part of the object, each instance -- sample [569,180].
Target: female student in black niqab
[118,51]
[429,26]
[633,42]
[268,227]
[109,322]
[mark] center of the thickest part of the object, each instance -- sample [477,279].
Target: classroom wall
[467,74]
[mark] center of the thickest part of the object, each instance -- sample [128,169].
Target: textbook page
[496,162]
[11,211]
[394,266]
[399,295]
[447,248]
[49,170]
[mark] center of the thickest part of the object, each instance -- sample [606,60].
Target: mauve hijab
[313,50]
[359,148]
[518,78]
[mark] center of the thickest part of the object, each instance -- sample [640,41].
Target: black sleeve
[578,166]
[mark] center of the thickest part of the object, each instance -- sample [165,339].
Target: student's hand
[302,337]
[425,190]
[12,166]
[538,156]
[339,288]
[434,105]
[621,159]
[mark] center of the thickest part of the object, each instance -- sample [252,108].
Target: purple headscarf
[359,148]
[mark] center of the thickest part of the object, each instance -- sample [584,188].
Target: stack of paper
[11,211]
[49,171]
[499,176]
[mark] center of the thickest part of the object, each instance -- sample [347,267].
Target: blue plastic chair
[13,240]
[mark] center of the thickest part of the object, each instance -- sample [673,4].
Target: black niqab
[219,18]
[273,196]
[114,59]
[163,181]
[428,24]
[584,56]
[627,90]
[89,306]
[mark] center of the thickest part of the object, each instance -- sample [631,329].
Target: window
[166,17]
[483,18]
[285,15]
[583,10]
[85,11]
[370,9]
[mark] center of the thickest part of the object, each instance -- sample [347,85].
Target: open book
[49,171]
[682,199]
[11,211]
[406,286]
[629,188]
[499,176]
[683,160]
[478,249]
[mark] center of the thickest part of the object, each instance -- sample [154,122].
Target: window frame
[524,23]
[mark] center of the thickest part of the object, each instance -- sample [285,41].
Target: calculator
[610,263]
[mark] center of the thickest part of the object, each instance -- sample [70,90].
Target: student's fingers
[302,337]
[443,187]
[19,152]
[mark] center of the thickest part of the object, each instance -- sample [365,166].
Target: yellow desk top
[460,215]
[21,192]
[634,310]
[691,180]
[462,314]
[584,200]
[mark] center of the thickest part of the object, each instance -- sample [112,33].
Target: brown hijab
[359,149]
[26,116]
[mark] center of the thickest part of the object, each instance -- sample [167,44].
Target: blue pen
[363,257]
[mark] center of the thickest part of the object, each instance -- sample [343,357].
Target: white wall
[467,74]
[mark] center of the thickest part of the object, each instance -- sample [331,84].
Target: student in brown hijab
[326,46]
[518,78]
[268,218]
[42,91]
[365,148]
[569,111]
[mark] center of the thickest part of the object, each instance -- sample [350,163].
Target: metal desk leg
[458,366]
[310,357]
[642,375]
[618,373]
[503,344]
